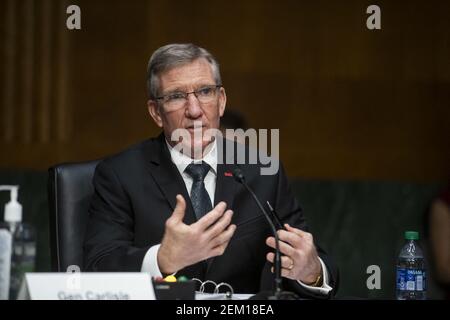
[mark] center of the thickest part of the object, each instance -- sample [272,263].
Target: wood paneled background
[349,102]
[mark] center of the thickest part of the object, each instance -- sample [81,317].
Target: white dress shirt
[181,161]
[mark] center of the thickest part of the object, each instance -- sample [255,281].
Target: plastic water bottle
[411,277]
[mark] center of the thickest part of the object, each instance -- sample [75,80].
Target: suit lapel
[168,178]
[226,186]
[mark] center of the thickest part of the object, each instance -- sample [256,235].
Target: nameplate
[89,286]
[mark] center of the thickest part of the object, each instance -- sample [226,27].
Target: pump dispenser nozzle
[13,209]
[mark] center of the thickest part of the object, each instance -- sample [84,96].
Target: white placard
[89,286]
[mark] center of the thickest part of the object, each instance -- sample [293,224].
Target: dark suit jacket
[135,194]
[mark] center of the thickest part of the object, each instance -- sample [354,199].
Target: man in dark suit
[171,205]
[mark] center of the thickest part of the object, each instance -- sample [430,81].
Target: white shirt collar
[181,161]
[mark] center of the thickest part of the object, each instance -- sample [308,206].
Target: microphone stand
[278,294]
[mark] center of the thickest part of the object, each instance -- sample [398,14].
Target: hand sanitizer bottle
[22,244]
[13,217]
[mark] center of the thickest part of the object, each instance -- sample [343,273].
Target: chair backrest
[69,190]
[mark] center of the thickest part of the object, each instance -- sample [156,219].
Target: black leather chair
[69,190]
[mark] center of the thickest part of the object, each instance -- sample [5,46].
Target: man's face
[188,78]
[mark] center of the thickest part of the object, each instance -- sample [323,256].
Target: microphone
[275,216]
[239,177]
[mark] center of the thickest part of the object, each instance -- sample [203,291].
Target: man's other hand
[299,260]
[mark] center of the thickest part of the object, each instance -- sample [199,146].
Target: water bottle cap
[411,235]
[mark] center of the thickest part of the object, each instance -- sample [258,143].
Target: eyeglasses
[177,100]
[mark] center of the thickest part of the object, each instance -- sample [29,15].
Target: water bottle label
[410,279]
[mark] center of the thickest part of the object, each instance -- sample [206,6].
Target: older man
[170,204]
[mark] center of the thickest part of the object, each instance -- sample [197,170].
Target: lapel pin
[228,174]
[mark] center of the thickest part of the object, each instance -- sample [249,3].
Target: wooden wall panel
[349,102]
[9,36]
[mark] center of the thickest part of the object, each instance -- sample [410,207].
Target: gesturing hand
[184,245]
[299,260]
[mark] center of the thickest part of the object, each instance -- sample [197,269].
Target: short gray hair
[174,55]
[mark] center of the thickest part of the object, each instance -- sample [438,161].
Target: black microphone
[275,216]
[239,177]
